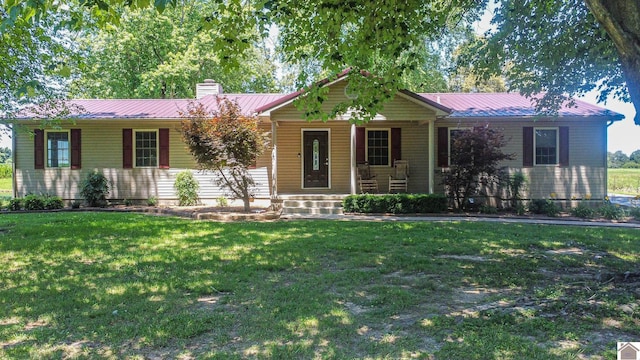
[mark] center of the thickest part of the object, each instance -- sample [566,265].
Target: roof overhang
[264,112]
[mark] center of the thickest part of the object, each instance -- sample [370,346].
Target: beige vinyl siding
[102,150]
[398,109]
[586,173]
[414,149]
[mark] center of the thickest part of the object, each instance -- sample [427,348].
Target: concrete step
[313,197]
[312,211]
[312,205]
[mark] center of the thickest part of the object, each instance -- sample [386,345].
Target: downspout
[274,161]
[432,154]
[13,162]
[353,159]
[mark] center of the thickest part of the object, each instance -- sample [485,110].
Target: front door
[316,159]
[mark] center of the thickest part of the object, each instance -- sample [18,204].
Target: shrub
[15,204]
[395,203]
[544,206]
[635,213]
[222,201]
[611,212]
[75,204]
[583,211]
[95,189]
[152,201]
[52,202]
[33,202]
[6,171]
[187,188]
[516,184]
[488,209]
[127,202]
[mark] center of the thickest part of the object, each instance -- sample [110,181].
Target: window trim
[46,148]
[450,138]
[135,148]
[535,145]
[366,147]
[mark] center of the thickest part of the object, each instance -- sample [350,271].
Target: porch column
[432,154]
[274,160]
[353,159]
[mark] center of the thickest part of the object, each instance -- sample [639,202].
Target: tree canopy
[561,48]
[152,55]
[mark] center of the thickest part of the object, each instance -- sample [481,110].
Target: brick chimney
[208,87]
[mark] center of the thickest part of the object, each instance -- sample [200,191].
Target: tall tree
[552,49]
[617,159]
[568,45]
[36,57]
[152,55]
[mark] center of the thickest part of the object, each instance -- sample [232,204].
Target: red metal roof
[163,108]
[471,105]
[459,105]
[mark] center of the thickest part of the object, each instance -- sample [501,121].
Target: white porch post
[353,159]
[432,155]
[274,160]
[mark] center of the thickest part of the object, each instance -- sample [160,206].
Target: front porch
[323,158]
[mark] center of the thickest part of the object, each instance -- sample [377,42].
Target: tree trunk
[621,20]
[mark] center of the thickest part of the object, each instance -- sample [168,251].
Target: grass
[112,285]
[624,181]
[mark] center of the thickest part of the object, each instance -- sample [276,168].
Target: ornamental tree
[475,158]
[227,142]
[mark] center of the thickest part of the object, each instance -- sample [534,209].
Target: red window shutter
[564,146]
[360,145]
[38,146]
[527,146]
[163,158]
[76,154]
[396,145]
[443,147]
[127,148]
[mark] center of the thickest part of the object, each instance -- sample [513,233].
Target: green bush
[6,171]
[187,188]
[635,213]
[488,209]
[33,202]
[94,189]
[395,203]
[544,206]
[611,212]
[583,211]
[152,201]
[52,202]
[15,204]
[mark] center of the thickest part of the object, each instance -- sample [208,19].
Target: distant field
[624,181]
[5,187]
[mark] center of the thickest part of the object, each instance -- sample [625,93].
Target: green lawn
[112,285]
[624,181]
[6,186]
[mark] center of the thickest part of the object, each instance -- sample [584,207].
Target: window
[58,149]
[378,147]
[146,148]
[546,146]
